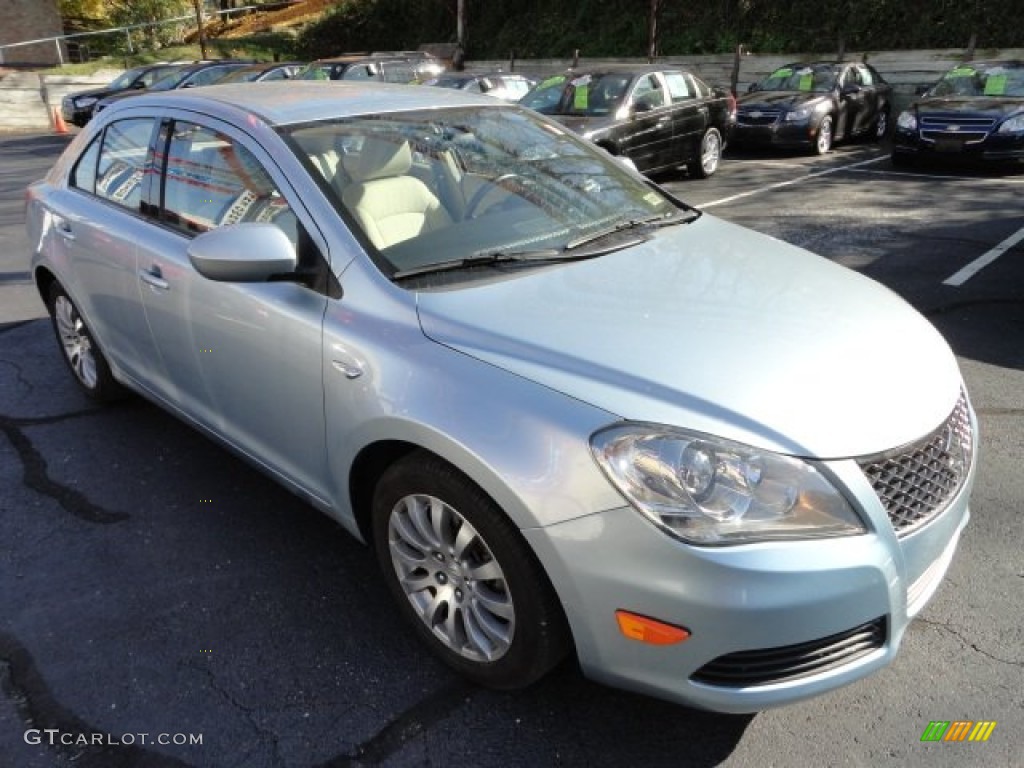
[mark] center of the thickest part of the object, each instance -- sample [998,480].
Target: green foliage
[555,28]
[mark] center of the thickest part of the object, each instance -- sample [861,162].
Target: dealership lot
[152,584]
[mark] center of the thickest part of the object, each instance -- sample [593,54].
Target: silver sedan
[570,413]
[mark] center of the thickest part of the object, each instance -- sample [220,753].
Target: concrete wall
[29,20]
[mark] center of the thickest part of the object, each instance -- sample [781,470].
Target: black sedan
[659,118]
[812,106]
[975,111]
[77,108]
[189,76]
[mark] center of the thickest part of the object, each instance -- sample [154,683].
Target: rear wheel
[80,351]
[463,575]
[710,155]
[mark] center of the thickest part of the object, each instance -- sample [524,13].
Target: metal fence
[75,47]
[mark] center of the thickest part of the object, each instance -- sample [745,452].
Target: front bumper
[994,147]
[800,601]
[778,134]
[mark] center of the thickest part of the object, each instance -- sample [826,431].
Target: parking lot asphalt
[153,588]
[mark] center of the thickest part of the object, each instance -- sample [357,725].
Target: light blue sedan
[571,414]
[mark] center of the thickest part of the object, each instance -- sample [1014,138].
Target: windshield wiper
[656,220]
[487,259]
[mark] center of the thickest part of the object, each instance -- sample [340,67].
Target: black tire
[709,155]
[477,595]
[823,136]
[79,349]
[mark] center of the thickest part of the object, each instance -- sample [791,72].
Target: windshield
[125,79]
[171,81]
[589,94]
[815,78]
[996,80]
[432,187]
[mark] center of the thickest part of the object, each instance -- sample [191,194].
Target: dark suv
[77,108]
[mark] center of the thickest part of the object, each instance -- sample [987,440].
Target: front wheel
[80,351]
[881,126]
[463,575]
[710,155]
[823,141]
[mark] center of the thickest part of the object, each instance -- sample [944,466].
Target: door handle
[63,227]
[154,278]
[345,362]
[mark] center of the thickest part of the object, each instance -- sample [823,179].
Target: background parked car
[188,76]
[277,70]
[502,85]
[660,118]
[77,108]
[976,111]
[814,105]
[403,67]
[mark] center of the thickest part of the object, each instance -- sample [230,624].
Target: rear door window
[121,167]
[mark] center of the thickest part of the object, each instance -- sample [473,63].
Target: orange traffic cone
[58,121]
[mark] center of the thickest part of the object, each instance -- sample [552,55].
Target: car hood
[126,94]
[96,93]
[989,106]
[718,329]
[583,124]
[778,99]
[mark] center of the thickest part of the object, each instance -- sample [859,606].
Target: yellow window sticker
[995,85]
[653,198]
[806,82]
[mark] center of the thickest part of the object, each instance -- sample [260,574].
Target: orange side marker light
[647,630]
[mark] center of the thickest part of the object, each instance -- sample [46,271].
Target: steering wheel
[482,192]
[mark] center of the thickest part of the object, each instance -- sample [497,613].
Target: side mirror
[643,105]
[850,89]
[752,87]
[921,90]
[138,85]
[243,253]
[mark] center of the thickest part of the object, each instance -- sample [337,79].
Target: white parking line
[984,260]
[790,182]
[933,176]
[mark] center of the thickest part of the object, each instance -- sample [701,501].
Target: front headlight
[1014,125]
[709,491]
[85,101]
[798,115]
[907,120]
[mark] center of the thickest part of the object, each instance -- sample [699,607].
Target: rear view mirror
[243,253]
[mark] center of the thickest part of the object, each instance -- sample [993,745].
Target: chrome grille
[917,483]
[758,116]
[790,662]
[958,127]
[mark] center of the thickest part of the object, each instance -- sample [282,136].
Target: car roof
[289,102]
[627,69]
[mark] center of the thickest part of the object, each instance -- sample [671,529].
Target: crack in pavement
[35,475]
[19,375]
[943,626]
[247,712]
[407,726]
[24,686]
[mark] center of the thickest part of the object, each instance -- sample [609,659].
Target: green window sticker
[995,85]
[581,97]
[961,72]
[782,73]
[806,82]
[552,81]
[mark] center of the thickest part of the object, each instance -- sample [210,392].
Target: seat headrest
[379,159]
